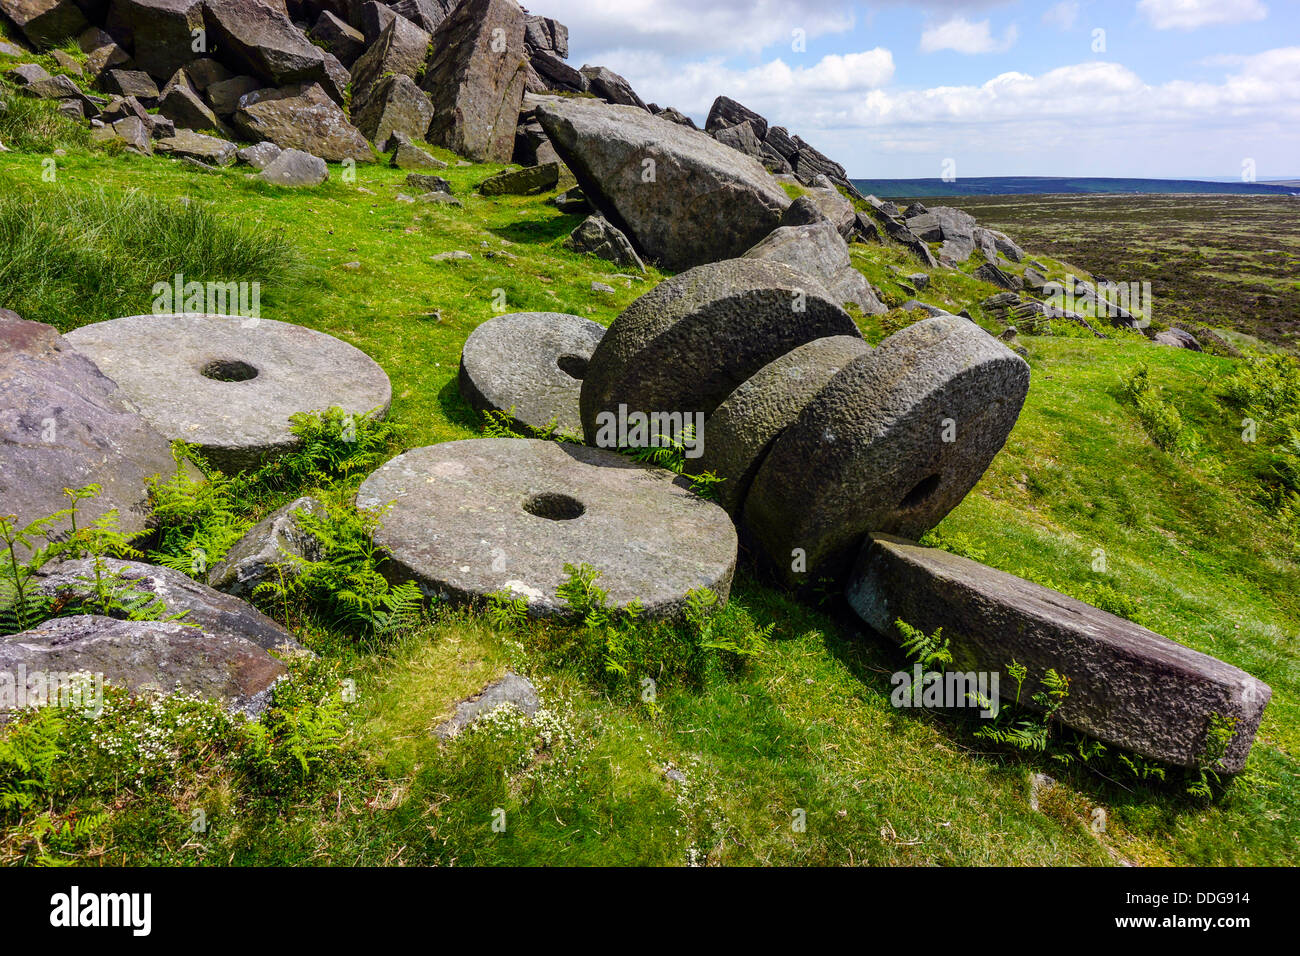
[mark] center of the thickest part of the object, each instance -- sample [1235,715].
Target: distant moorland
[1020,185]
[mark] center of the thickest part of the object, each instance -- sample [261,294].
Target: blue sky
[1167,89]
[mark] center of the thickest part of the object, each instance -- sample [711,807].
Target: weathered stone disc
[533,362]
[229,384]
[1128,685]
[740,431]
[871,451]
[688,343]
[470,518]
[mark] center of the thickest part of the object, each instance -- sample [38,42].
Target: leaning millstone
[64,424]
[474,518]
[269,549]
[892,443]
[512,690]
[818,249]
[187,144]
[530,365]
[148,657]
[679,194]
[739,433]
[594,236]
[259,156]
[293,167]
[230,384]
[219,615]
[689,342]
[1129,686]
[523,182]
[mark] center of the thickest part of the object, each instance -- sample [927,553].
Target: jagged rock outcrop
[305,118]
[261,41]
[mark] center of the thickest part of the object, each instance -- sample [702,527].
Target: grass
[806,729]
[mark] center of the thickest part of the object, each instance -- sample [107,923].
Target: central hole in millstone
[228,370]
[554,506]
[574,366]
[920,492]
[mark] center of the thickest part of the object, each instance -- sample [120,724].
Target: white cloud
[1190,14]
[1062,15]
[963,36]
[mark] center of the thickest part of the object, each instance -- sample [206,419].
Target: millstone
[471,518]
[740,431]
[1128,686]
[532,362]
[229,384]
[892,443]
[689,342]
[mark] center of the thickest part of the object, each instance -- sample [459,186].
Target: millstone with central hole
[230,384]
[891,443]
[531,362]
[471,518]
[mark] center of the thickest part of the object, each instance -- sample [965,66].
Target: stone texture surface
[207,149]
[224,95]
[689,342]
[512,690]
[149,657]
[181,103]
[610,87]
[343,40]
[471,518]
[219,615]
[305,118]
[400,51]
[523,182]
[269,547]
[703,201]
[293,167]
[161,32]
[261,40]
[475,76]
[407,155]
[160,362]
[868,453]
[259,156]
[531,362]
[394,105]
[742,429]
[44,22]
[1129,686]
[64,424]
[818,250]
[595,236]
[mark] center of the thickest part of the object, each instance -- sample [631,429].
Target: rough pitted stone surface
[224,95]
[512,690]
[135,83]
[406,155]
[868,452]
[400,51]
[181,103]
[1129,686]
[835,206]
[219,615]
[611,87]
[998,277]
[394,105]
[726,113]
[64,424]
[302,117]
[268,549]
[804,211]
[597,237]
[689,342]
[259,156]
[818,250]
[427,14]
[739,433]
[532,362]
[341,39]
[706,202]
[260,39]
[160,363]
[476,76]
[428,183]
[293,167]
[471,518]
[161,32]
[149,657]
[523,182]
[206,149]
[44,22]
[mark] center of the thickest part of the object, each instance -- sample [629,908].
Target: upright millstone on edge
[1129,686]
[475,517]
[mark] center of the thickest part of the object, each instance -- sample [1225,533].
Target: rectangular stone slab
[1129,686]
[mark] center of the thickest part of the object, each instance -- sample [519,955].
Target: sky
[1165,89]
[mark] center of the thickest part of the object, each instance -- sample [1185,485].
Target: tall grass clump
[70,259]
[29,125]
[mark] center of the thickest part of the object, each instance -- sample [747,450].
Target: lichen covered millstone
[229,384]
[892,443]
[530,365]
[468,519]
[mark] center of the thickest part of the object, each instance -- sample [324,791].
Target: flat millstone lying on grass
[892,443]
[472,518]
[531,362]
[1129,686]
[228,384]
